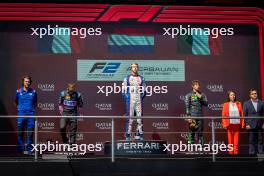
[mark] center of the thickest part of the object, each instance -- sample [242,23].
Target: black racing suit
[194,106]
[70,102]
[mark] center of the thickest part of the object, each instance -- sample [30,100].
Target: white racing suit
[133,91]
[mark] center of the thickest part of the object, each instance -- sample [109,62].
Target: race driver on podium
[133,92]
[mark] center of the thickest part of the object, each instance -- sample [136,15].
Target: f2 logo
[107,67]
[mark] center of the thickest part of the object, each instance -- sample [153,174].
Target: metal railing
[113,118]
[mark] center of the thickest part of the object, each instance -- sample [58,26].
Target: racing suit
[26,102]
[194,106]
[69,105]
[133,91]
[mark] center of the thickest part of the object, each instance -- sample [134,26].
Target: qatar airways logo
[160,106]
[46,125]
[161,125]
[104,106]
[46,106]
[46,87]
[217,125]
[103,125]
[215,87]
[215,107]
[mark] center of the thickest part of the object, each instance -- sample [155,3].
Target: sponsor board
[116,70]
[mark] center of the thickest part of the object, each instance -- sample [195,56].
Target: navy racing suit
[69,103]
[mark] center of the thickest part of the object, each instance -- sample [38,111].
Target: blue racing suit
[26,102]
[133,91]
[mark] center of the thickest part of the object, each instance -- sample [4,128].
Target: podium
[136,147]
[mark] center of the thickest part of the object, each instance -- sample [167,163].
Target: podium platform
[136,147]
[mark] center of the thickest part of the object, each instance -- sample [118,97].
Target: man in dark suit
[254,108]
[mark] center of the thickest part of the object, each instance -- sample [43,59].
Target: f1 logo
[107,67]
[141,13]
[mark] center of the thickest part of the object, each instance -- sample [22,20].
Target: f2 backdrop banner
[96,56]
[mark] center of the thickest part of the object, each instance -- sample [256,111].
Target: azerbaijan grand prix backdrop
[97,56]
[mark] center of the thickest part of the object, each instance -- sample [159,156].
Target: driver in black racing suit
[194,101]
